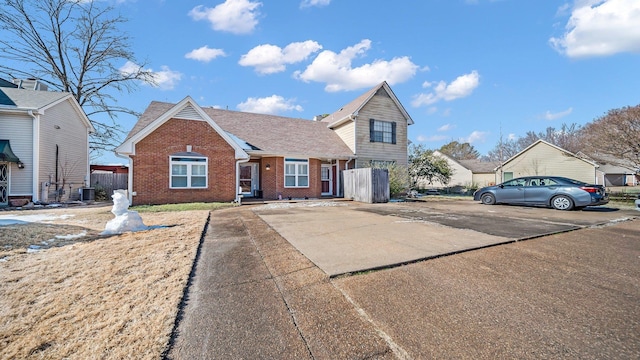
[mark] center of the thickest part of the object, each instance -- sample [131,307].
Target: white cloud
[446,127]
[553,116]
[337,72]
[273,104]
[461,87]
[234,16]
[600,28]
[269,59]
[476,137]
[204,54]
[165,79]
[512,136]
[318,3]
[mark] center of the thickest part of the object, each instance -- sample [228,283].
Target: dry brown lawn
[95,297]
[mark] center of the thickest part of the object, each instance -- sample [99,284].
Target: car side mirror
[501,186]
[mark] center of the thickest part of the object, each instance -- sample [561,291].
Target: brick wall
[272,181]
[151,170]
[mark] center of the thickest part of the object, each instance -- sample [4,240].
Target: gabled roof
[258,134]
[351,109]
[159,113]
[15,99]
[478,166]
[540,141]
[474,165]
[33,99]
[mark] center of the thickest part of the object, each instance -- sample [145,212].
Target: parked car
[552,191]
[432,192]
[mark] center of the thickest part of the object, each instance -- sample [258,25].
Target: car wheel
[562,202]
[488,199]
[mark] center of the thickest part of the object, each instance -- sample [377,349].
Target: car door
[511,191]
[537,191]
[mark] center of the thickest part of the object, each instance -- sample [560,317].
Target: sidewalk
[256,296]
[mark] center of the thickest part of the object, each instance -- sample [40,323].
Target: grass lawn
[94,297]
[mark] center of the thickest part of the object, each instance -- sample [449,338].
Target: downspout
[238,195]
[129,177]
[35,173]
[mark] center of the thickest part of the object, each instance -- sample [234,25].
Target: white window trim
[297,162]
[189,169]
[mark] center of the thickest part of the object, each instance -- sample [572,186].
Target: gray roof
[29,99]
[269,134]
[478,166]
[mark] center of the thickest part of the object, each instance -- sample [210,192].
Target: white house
[44,139]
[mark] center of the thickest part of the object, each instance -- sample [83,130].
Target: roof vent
[31,84]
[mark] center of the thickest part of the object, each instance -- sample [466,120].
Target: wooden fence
[109,182]
[367,185]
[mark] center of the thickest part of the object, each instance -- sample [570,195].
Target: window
[188,172]
[382,131]
[296,172]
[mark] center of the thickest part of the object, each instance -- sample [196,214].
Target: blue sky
[465,70]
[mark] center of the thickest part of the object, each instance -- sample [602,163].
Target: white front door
[248,179]
[4,184]
[327,179]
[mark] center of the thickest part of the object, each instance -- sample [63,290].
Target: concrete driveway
[348,237]
[574,294]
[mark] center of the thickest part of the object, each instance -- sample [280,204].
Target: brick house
[186,153]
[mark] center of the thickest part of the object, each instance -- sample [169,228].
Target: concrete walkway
[254,296]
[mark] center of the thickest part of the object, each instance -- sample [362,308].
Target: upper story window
[188,172]
[382,131]
[296,172]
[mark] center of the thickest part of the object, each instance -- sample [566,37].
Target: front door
[248,179]
[4,184]
[327,179]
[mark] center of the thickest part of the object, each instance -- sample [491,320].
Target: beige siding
[484,179]
[18,129]
[72,141]
[382,108]
[347,134]
[543,159]
[461,176]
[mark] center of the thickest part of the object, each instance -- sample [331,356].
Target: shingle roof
[29,99]
[271,134]
[479,166]
[353,107]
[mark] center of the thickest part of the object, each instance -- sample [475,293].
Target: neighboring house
[543,158]
[610,174]
[482,172]
[467,173]
[184,152]
[44,139]
[613,171]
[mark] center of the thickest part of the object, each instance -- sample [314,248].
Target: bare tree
[616,134]
[567,137]
[73,46]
